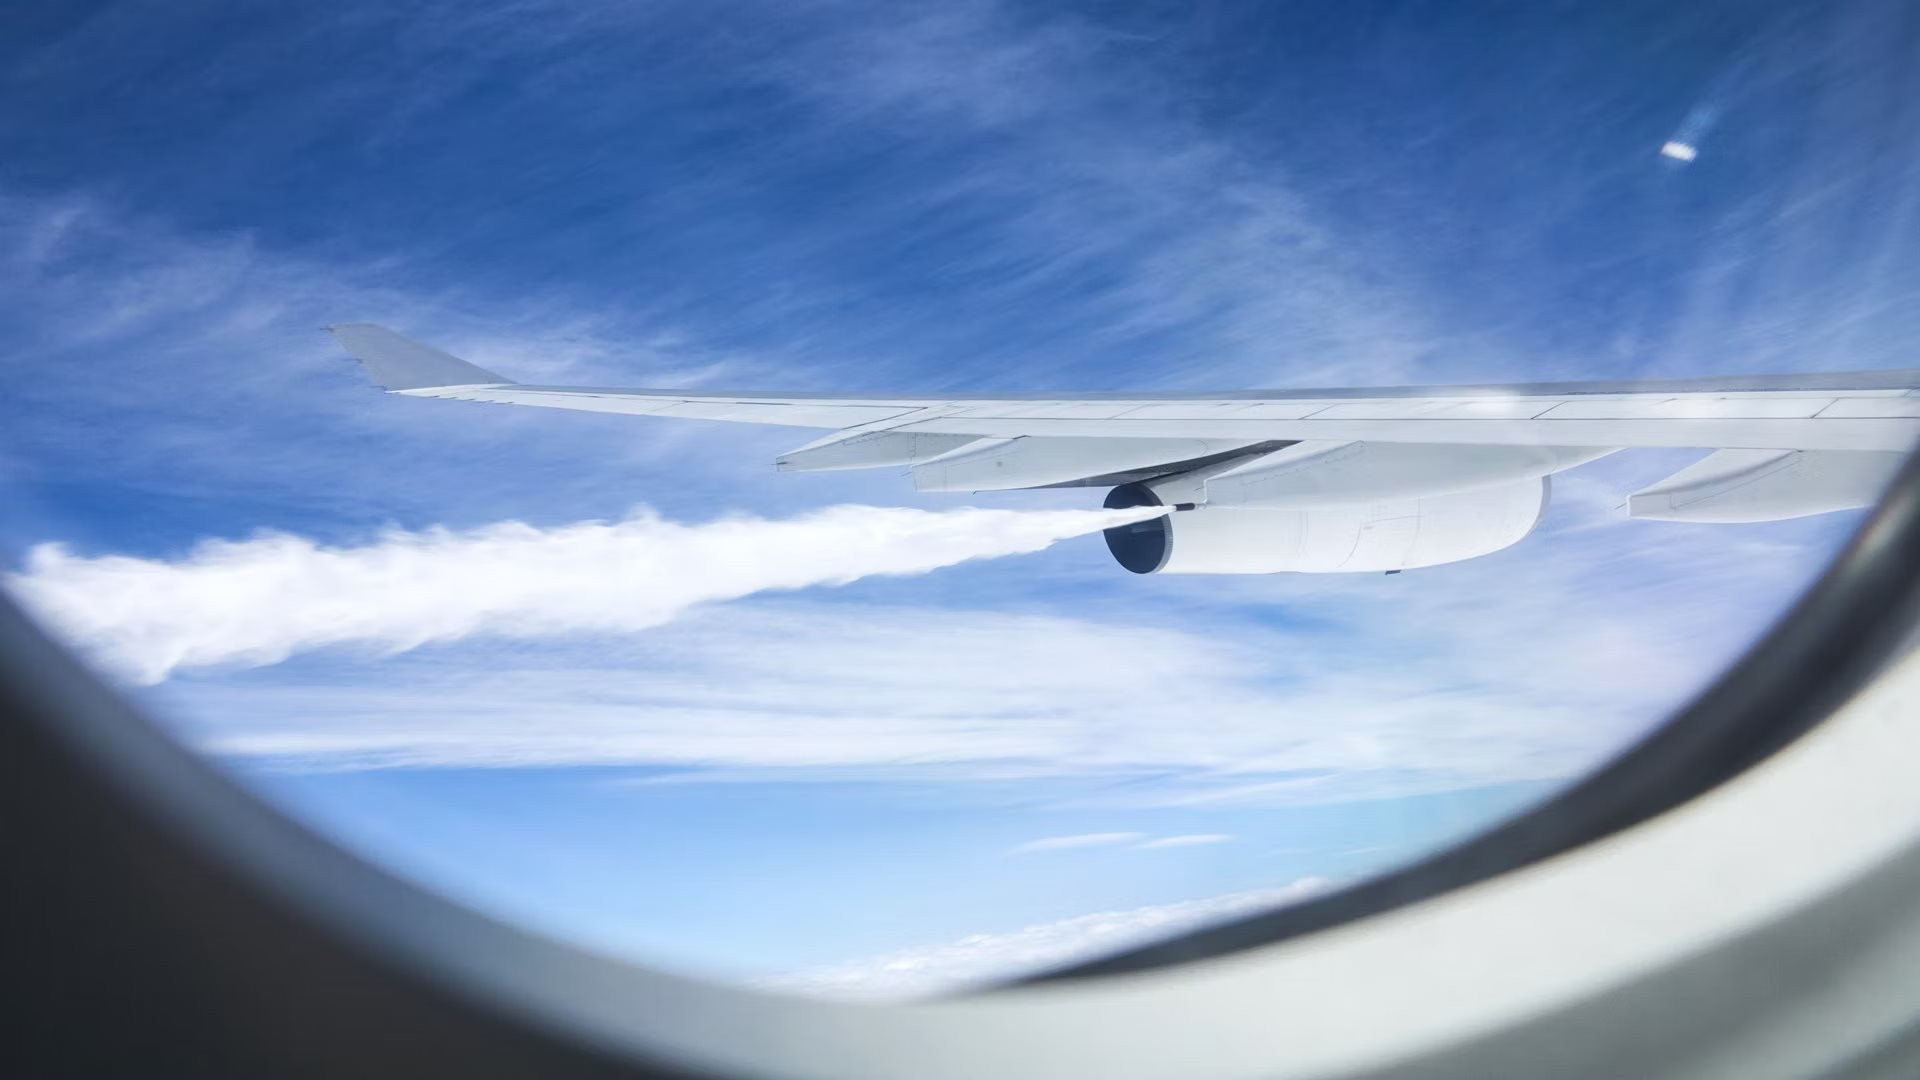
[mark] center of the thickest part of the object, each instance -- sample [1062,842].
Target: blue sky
[967,195]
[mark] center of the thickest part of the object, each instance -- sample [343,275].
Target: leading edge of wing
[399,364]
[1896,379]
[1851,411]
[1876,410]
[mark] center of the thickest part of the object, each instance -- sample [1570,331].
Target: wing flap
[1007,464]
[868,450]
[1730,486]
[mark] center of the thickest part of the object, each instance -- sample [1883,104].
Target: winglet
[394,363]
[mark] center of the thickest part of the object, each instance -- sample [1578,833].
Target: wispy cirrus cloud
[1195,240]
[189,366]
[1187,840]
[1072,843]
[1140,841]
[980,959]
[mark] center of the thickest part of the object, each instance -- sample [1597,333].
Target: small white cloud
[1191,840]
[1083,840]
[1678,151]
[979,959]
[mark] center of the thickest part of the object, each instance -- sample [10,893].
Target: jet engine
[1399,534]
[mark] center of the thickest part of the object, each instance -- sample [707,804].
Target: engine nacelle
[1397,535]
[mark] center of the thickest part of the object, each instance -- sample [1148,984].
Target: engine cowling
[1396,535]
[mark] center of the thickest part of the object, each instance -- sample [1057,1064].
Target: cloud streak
[1069,843]
[1134,840]
[787,689]
[1189,840]
[978,959]
[259,601]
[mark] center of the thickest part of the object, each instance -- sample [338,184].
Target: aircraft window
[881,502]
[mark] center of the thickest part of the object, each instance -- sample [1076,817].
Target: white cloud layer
[979,959]
[832,691]
[1139,841]
[1189,840]
[258,601]
[1069,843]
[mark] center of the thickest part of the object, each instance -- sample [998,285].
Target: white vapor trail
[258,601]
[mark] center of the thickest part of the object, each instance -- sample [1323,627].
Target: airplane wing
[1782,445]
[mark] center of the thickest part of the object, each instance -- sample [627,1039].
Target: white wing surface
[1785,445]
